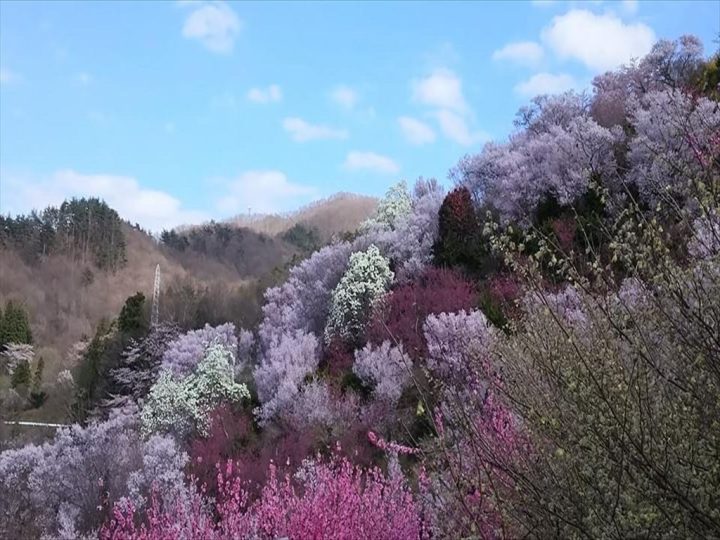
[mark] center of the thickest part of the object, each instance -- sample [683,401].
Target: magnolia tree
[181,405]
[408,238]
[367,278]
[395,206]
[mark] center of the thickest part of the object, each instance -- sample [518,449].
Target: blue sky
[178,112]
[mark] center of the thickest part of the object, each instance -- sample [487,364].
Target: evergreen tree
[22,375]
[93,368]
[15,327]
[132,317]
[37,395]
[38,375]
[460,241]
[86,229]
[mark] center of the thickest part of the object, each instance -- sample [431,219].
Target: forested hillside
[71,268]
[532,353]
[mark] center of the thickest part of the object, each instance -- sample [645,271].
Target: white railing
[35,424]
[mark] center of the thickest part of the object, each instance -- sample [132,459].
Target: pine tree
[22,375]
[132,317]
[15,327]
[37,395]
[38,375]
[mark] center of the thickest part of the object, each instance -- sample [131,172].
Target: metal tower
[155,315]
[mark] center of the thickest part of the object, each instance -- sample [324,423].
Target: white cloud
[152,209]
[520,52]
[415,131]
[8,76]
[302,131]
[370,161]
[214,24]
[264,192]
[441,89]
[601,42]
[344,96]
[270,94]
[455,128]
[545,83]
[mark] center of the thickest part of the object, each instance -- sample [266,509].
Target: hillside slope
[339,213]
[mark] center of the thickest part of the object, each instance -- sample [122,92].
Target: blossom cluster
[367,278]
[179,405]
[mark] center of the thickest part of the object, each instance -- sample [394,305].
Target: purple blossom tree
[282,370]
[557,159]
[452,338]
[140,366]
[185,353]
[302,302]
[669,65]
[676,144]
[385,368]
[65,487]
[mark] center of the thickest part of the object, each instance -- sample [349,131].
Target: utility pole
[155,315]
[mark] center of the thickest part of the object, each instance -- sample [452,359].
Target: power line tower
[155,314]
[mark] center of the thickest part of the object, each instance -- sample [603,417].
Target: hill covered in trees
[531,354]
[72,267]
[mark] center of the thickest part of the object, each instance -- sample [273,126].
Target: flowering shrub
[400,315]
[228,432]
[181,405]
[366,279]
[318,405]
[600,377]
[326,500]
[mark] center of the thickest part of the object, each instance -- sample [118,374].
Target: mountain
[342,212]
